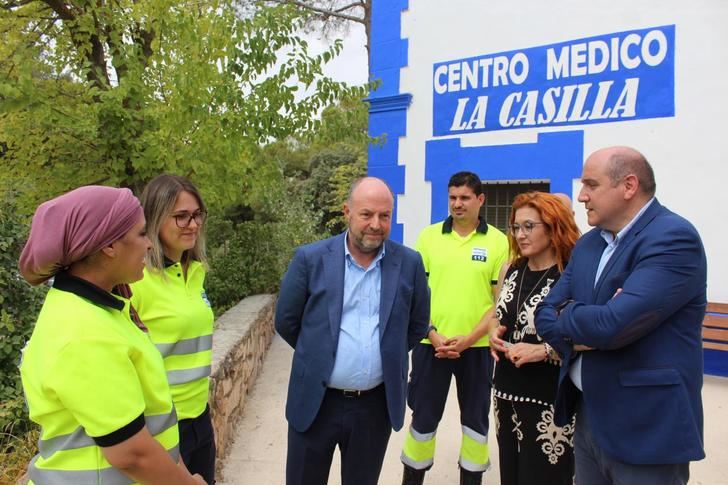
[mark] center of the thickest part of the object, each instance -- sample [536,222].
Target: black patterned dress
[532,449]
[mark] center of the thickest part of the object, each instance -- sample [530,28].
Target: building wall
[679,122]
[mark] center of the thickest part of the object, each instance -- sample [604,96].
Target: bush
[250,257]
[332,172]
[19,306]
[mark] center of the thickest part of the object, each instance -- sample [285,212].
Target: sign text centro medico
[614,77]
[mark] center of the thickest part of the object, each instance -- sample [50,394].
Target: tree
[336,15]
[19,305]
[321,167]
[116,92]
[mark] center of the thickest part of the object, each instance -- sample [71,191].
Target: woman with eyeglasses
[532,449]
[93,381]
[171,301]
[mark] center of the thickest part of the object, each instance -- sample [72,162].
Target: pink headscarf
[75,225]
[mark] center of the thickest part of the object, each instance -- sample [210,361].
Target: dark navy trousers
[594,467]
[359,426]
[197,445]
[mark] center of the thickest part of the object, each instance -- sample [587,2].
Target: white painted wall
[687,151]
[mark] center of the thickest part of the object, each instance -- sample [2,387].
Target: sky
[351,65]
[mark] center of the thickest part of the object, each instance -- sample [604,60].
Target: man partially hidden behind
[352,306]
[463,256]
[626,318]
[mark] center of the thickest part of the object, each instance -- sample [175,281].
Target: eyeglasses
[184,219]
[526,227]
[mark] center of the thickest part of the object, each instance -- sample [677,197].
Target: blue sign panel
[555,156]
[615,77]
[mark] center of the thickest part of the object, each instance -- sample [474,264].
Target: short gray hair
[631,162]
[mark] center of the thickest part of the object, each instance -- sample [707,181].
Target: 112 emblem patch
[479,254]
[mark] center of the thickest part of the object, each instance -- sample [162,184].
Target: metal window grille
[499,195]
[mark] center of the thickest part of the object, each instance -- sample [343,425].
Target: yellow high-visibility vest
[180,322]
[461,273]
[91,376]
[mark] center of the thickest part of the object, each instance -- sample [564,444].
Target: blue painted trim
[389,103]
[388,107]
[716,362]
[555,156]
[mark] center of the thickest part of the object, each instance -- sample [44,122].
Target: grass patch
[16,452]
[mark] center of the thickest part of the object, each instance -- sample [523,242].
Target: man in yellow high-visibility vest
[462,256]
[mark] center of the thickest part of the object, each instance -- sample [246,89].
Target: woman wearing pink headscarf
[93,380]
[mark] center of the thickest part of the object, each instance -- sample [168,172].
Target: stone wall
[241,339]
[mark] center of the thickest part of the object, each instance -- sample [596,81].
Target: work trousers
[360,426]
[197,445]
[594,467]
[427,395]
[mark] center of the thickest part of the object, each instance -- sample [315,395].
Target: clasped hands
[448,348]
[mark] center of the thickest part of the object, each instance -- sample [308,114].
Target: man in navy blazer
[626,318]
[352,306]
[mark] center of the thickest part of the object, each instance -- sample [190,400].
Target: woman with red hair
[532,449]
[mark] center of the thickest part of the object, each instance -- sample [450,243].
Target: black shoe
[412,476]
[470,478]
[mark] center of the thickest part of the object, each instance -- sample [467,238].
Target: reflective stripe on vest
[183,376]
[107,476]
[186,346]
[79,439]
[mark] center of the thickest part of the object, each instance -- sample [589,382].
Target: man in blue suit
[626,318]
[352,306]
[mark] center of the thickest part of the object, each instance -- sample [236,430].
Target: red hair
[559,221]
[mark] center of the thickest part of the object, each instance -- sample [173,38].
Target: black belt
[355,392]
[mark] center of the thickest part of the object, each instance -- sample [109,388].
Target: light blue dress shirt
[358,363]
[612,243]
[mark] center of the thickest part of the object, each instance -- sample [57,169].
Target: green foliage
[19,306]
[332,172]
[250,257]
[297,191]
[337,155]
[325,163]
[117,92]
[345,122]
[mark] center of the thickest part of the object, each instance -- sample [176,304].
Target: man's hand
[523,353]
[452,347]
[497,344]
[436,340]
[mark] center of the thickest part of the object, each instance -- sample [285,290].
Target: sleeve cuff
[121,434]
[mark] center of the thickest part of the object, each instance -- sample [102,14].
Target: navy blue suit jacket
[308,317]
[642,383]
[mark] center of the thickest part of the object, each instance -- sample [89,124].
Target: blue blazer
[642,382]
[308,317]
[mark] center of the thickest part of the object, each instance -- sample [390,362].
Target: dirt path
[259,452]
